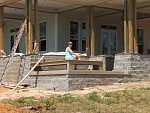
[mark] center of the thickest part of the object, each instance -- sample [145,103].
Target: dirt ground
[9,94]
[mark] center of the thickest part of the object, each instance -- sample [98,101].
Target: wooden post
[87,18]
[135,26]
[126,37]
[36,24]
[92,31]
[26,29]
[29,30]
[130,24]
[1,29]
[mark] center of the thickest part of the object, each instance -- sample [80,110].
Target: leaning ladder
[14,48]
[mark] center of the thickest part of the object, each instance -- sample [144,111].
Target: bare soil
[9,94]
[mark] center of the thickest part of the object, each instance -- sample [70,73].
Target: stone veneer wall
[137,65]
[21,66]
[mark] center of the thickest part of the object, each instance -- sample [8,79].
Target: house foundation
[137,65]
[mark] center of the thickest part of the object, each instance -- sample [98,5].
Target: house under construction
[112,35]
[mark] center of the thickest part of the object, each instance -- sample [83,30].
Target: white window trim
[80,34]
[39,35]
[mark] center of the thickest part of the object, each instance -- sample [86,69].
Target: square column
[1,29]
[36,31]
[87,18]
[90,36]
[92,31]
[130,26]
[29,29]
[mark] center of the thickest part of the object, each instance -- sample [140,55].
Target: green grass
[126,101]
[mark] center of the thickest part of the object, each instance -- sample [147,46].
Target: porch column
[1,29]
[126,37]
[29,30]
[36,25]
[130,27]
[92,31]
[135,25]
[87,18]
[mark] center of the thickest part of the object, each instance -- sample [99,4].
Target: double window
[78,35]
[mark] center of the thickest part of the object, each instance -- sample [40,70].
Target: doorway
[109,41]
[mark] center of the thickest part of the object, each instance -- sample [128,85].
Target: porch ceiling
[57,6]
[5,2]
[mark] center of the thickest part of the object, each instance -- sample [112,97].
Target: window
[78,35]
[140,42]
[42,35]
[83,37]
[74,34]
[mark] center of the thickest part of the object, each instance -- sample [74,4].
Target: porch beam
[67,8]
[71,2]
[13,16]
[40,8]
[1,29]
[3,3]
[99,2]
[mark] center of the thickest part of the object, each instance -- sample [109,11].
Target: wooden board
[86,72]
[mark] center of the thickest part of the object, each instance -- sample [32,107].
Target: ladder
[14,48]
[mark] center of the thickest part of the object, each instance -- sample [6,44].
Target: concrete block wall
[137,65]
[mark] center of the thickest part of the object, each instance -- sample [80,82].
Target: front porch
[106,29]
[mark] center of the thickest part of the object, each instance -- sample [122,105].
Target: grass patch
[126,101]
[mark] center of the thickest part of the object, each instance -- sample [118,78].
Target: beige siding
[48,17]
[10,25]
[145,24]
[114,20]
[63,26]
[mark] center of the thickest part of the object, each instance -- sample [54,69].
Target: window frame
[79,35]
[40,36]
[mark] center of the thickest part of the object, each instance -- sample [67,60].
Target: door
[109,45]
[12,40]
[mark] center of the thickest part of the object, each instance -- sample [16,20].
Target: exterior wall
[64,24]
[48,17]
[137,65]
[145,24]
[60,38]
[115,20]
[10,24]
[66,17]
